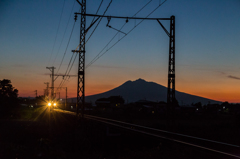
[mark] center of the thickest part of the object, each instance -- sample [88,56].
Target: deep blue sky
[207,45]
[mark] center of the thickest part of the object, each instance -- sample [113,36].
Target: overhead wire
[99,21]
[63,38]
[66,47]
[60,85]
[97,11]
[63,81]
[57,32]
[100,55]
[116,34]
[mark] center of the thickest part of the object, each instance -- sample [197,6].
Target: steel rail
[145,127]
[167,138]
[111,122]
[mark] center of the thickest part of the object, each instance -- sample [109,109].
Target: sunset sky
[34,35]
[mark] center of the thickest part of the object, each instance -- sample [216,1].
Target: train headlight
[55,104]
[49,104]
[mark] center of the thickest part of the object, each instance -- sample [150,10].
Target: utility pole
[36,93]
[53,96]
[52,88]
[45,92]
[171,66]
[81,61]
[59,95]
[171,100]
[66,97]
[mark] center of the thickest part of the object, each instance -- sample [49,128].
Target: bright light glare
[54,104]
[49,104]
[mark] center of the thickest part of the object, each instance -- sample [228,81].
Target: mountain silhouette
[140,89]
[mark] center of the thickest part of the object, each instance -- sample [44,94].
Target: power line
[141,8]
[63,81]
[69,65]
[171,69]
[97,10]
[99,21]
[57,32]
[67,69]
[97,24]
[116,35]
[66,48]
[64,35]
[70,59]
[99,54]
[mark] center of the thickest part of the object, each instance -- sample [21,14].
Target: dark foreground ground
[37,133]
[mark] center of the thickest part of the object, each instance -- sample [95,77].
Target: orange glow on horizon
[222,97]
[224,93]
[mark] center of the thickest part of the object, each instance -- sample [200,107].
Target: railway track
[224,149]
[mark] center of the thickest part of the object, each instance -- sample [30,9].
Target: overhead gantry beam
[171,100]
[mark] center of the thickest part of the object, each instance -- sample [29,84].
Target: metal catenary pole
[81,63]
[52,88]
[171,100]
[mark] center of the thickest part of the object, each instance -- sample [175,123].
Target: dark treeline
[115,106]
[8,96]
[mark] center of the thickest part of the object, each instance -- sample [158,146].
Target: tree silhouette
[8,95]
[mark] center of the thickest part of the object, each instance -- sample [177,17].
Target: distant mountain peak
[133,91]
[140,80]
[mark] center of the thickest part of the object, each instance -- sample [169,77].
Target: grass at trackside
[23,113]
[41,133]
[218,127]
